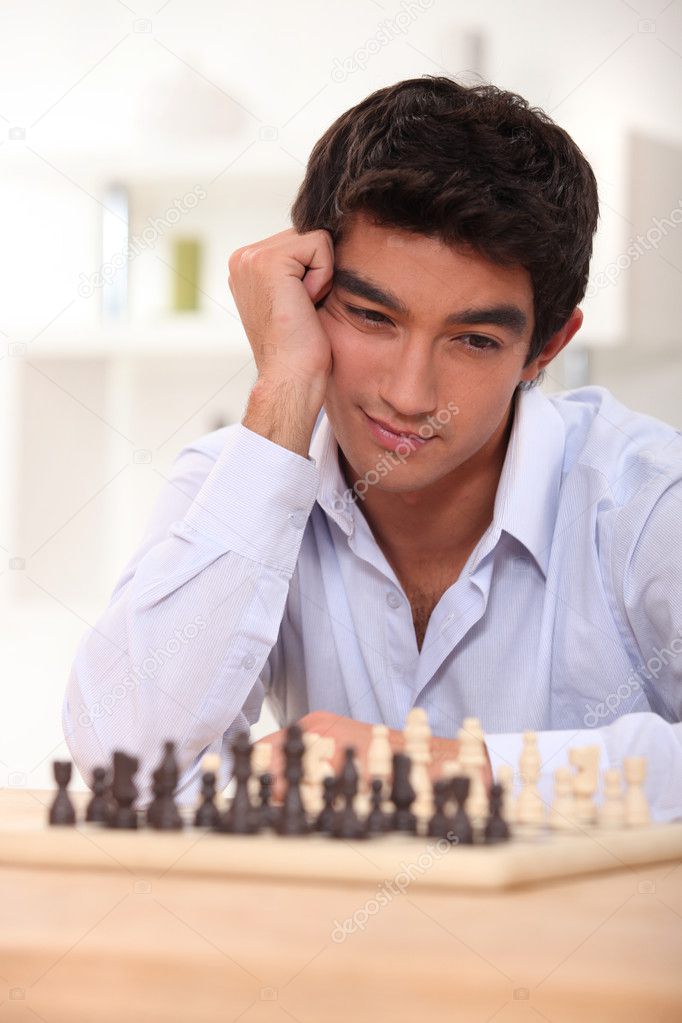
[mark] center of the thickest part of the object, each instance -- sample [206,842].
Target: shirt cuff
[255,501]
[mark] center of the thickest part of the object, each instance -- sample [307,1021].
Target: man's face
[445,366]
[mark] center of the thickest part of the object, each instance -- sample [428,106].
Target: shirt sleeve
[184,649]
[644,734]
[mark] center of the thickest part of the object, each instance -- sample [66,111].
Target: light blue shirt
[256,577]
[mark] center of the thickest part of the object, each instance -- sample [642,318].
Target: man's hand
[347,732]
[275,284]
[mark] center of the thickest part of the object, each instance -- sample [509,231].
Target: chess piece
[239,818]
[124,791]
[380,758]
[505,778]
[292,819]
[402,795]
[586,760]
[417,734]
[165,816]
[96,810]
[347,823]
[207,814]
[153,808]
[377,822]
[62,810]
[472,760]
[496,828]
[562,811]
[530,809]
[266,813]
[440,825]
[636,805]
[461,831]
[611,813]
[325,820]
[317,756]
[261,763]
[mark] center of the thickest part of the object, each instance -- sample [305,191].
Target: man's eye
[479,342]
[366,315]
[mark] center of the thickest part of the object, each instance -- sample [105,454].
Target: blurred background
[142,142]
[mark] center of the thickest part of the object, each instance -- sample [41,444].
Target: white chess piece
[612,811]
[417,735]
[261,759]
[505,778]
[636,805]
[586,760]
[529,808]
[472,759]
[562,811]
[380,758]
[317,755]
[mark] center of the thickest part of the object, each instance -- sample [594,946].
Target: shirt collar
[528,491]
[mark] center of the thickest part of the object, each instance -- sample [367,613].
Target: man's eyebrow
[503,315]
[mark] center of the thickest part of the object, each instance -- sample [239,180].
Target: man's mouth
[392,437]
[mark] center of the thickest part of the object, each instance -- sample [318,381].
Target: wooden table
[113,944]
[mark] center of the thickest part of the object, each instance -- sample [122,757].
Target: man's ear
[556,343]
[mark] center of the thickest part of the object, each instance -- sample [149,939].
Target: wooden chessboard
[529,857]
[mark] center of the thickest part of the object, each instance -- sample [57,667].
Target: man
[402,518]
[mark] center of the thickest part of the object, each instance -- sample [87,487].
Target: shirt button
[393,599]
[298,518]
[248,661]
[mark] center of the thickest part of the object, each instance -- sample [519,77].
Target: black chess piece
[440,825]
[239,818]
[292,818]
[327,815]
[96,810]
[377,822]
[208,814]
[157,790]
[402,795]
[124,791]
[346,822]
[265,813]
[165,815]
[496,827]
[62,810]
[462,832]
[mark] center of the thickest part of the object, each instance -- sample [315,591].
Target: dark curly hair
[472,165]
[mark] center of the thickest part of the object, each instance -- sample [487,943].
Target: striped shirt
[257,577]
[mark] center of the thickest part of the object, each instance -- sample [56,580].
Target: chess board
[530,857]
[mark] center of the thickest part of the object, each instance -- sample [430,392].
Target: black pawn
[266,814]
[462,832]
[124,791]
[157,789]
[62,810]
[239,818]
[207,815]
[327,815]
[96,810]
[377,822]
[496,828]
[440,825]
[347,823]
[402,795]
[292,818]
[166,816]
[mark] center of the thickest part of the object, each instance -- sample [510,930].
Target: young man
[402,518]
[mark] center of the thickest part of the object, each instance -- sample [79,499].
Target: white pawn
[586,760]
[318,751]
[529,806]
[636,805]
[418,748]
[562,812]
[380,758]
[612,811]
[261,759]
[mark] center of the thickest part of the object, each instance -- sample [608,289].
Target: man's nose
[409,383]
